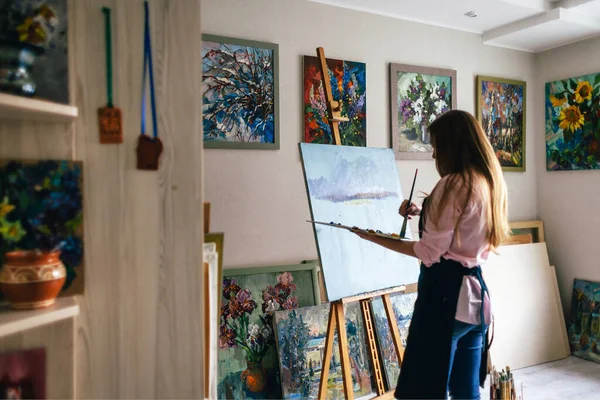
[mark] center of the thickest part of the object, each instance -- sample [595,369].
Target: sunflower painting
[572,123]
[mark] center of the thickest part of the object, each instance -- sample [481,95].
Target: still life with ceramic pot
[41,235]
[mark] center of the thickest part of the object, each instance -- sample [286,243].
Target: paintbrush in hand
[405,222]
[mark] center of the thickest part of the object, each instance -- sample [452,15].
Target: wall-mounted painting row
[501,112]
[33,44]
[573,124]
[41,208]
[349,87]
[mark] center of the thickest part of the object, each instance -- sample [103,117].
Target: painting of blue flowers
[573,123]
[41,207]
[240,105]
[355,186]
[584,323]
[418,96]
[348,83]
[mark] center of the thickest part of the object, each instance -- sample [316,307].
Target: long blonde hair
[463,151]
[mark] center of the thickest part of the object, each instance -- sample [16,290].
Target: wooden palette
[357,229]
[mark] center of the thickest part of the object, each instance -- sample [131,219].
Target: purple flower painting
[419,96]
[250,298]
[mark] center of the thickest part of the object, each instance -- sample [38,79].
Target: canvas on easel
[355,186]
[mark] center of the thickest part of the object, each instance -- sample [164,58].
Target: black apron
[426,364]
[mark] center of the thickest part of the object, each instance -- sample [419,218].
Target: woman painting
[462,221]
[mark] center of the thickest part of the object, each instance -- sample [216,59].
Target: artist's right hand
[410,210]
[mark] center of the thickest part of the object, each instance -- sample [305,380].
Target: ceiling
[527,25]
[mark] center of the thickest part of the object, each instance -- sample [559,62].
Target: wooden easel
[334,108]
[337,318]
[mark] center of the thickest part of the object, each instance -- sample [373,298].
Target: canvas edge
[211,144]
[312,215]
[480,79]
[395,68]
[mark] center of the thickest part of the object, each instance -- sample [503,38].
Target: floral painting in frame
[240,93]
[501,113]
[349,87]
[301,337]
[248,365]
[403,305]
[573,123]
[584,324]
[418,95]
[41,208]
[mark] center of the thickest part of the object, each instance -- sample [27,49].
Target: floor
[571,379]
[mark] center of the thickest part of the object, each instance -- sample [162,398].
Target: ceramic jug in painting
[32,279]
[255,377]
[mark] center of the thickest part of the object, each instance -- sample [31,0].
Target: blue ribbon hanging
[148,65]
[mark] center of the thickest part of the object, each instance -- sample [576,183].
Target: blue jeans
[465,359]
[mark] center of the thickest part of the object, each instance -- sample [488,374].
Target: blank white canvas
[356,186]
[529,326]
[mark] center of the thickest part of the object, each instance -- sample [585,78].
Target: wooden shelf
[14,321]
[24,108]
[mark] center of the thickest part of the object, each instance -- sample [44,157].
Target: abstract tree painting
[348,84]
[572,123]
[584,324]
[301,336]
[240,102]
[501,113]
[418,96]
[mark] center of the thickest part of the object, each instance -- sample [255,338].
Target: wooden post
[328,351]
[389,311]
[333,107]
[365,306]
[343,343]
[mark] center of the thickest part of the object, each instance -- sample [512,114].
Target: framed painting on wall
[418,95]
[572,123]
[248,366]
[240,93]
[41,207]
[584,323]
[23,374]
[301,337]
[349,86]
[34,40]
[501,110]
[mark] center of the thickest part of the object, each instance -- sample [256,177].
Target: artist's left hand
[363,235]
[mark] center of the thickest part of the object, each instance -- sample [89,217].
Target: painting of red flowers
[349,86]
[23,374]
[248,365]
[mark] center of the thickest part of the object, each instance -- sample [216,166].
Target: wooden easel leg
[365,306]
[328,351]
[345,358]
[389,311]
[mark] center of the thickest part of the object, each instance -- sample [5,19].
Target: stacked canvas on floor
[529,326]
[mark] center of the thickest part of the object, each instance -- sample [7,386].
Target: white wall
[258,197]
[569,201]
